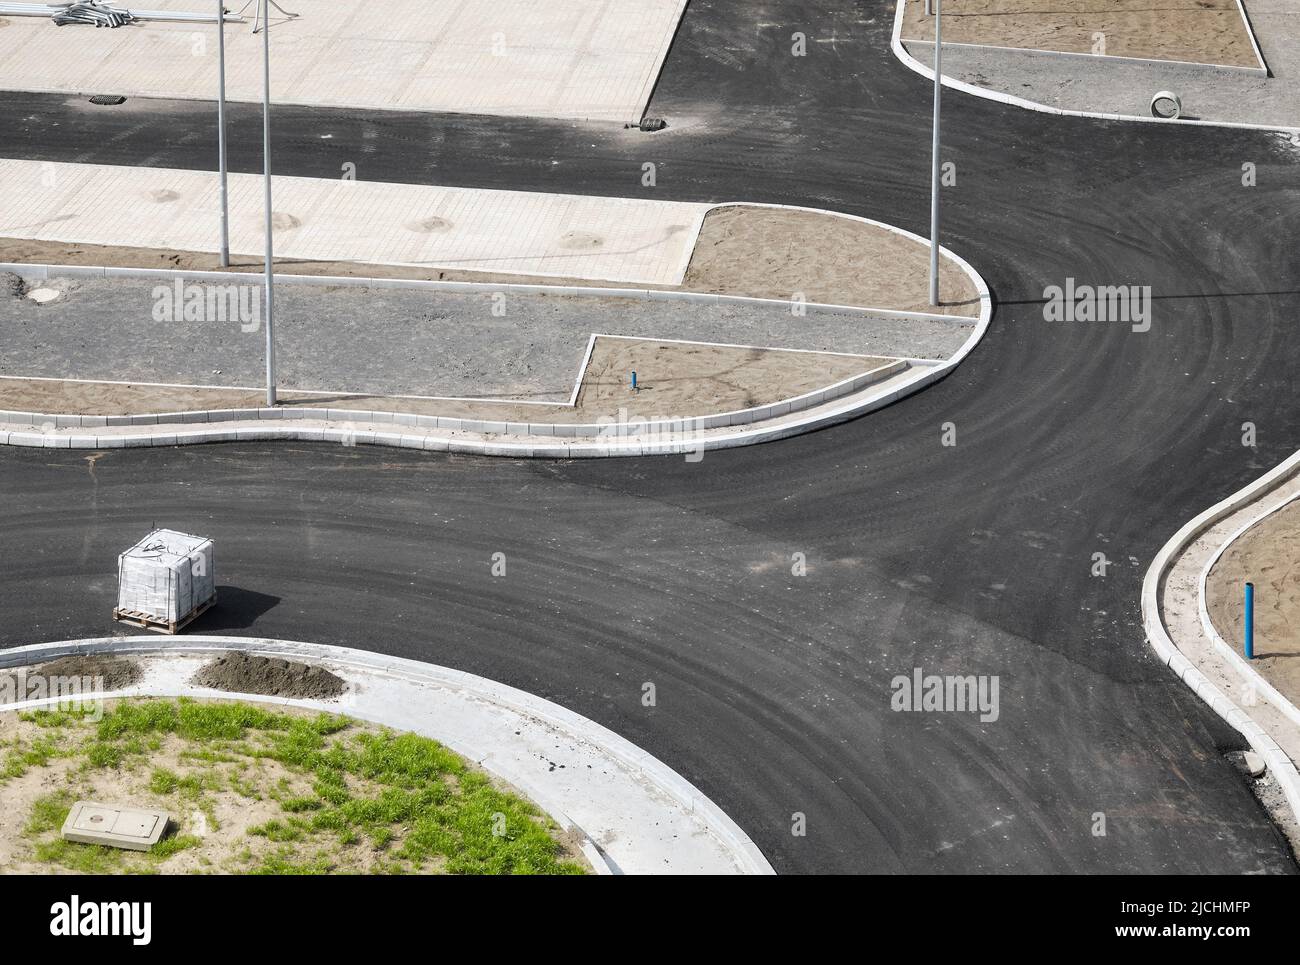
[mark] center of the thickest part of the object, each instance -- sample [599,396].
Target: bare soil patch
[115,672]
[776,252]
[246,673]
[673,378]
[1193,31]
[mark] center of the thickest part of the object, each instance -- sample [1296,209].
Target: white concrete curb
[840,402]
[1277,760]
[649,818]
[1242,665]
[912,63]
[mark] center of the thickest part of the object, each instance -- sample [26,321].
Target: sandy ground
[673,379]
[773,253]
[677,379]
[1269,556]
[742,250]
[237,796]
[1197,31]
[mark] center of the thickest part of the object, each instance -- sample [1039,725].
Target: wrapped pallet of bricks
[165,581]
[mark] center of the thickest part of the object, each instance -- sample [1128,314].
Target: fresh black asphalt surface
[774,689]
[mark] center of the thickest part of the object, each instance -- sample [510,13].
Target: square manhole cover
[115,826]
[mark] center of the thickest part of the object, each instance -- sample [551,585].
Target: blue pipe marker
[1250,621]
[634,380]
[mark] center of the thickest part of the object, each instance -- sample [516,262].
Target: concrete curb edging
[1242,665]
[736,417]
[688,799]
[896,44]
[823,407]
[1167,651]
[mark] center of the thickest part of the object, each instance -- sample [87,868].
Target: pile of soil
[116,672]
[246,674]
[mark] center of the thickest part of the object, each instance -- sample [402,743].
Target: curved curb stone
[637,814]
[1281,766]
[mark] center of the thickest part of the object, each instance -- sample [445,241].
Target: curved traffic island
[629,327]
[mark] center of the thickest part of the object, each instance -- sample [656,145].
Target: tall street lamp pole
[266,171]
[934,158]
[221,133]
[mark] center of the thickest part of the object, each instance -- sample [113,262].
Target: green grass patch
[347,797]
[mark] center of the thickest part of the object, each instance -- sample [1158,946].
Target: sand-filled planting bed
[259,789]
[1192,31]
[1268,555]
[777,252]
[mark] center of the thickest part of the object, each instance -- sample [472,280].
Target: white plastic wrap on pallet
[166,575]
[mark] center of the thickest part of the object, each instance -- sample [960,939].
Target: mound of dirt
[246,674]
[116,672]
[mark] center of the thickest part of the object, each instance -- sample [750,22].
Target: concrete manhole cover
[43,295]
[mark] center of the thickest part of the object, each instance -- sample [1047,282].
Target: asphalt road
[773,690]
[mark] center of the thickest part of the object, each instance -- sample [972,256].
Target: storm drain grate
[108,99]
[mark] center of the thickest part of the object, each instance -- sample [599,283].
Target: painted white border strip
[1158,636]
[582,370]
[681,800]
[763,348]
[1250,32]
[992,95]
[1242,665]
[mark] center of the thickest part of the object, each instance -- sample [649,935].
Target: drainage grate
[108,99]
[651,124]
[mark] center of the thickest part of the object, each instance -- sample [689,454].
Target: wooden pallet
[147,621]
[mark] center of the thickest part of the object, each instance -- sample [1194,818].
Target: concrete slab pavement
[612,239]
[574,59]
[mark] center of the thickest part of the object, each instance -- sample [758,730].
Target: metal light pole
[221,133]
[934,159]
[266,170]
